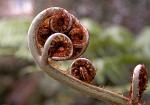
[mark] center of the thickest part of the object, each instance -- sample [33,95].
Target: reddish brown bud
[139,83]
[60,21]
[83,70]
[60,47]
[143,80]
[78,37]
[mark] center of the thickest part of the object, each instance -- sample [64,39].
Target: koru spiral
[57,35]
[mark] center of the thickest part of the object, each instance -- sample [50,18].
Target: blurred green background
[119,40]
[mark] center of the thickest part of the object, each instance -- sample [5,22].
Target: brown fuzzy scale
[77,35]
[43,33]
[60,47]
[75,22]
[83,70]
[60,21]
[143,80]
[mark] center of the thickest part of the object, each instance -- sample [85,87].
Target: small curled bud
[78,37]
[60,21]
[58,47]
[83,70]
[139,83]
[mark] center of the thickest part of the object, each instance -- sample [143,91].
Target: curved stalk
[44,56]
[94,91]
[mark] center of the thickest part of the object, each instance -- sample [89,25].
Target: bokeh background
[120,34]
